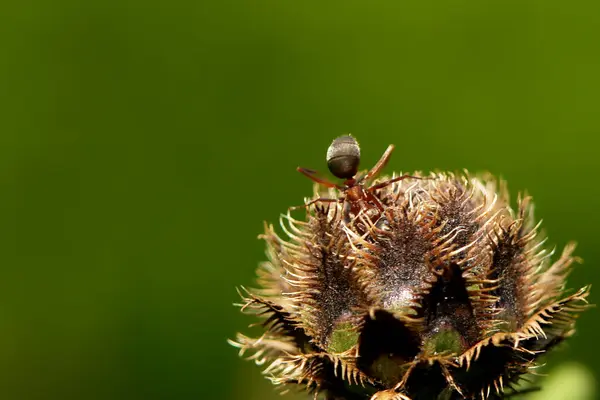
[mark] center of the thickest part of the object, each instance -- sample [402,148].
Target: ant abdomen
[343,157]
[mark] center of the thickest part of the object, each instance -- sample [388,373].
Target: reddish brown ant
[343,158]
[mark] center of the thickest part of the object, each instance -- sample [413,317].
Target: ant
[343,158]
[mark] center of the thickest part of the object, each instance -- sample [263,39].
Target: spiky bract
[449,294]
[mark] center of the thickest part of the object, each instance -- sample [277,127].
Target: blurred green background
[143,143]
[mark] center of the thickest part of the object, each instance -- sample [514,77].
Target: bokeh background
[143,143]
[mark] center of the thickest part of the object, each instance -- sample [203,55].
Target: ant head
[343,157]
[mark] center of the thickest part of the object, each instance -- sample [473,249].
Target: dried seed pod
[447,293]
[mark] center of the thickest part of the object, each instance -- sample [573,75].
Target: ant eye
[343,157]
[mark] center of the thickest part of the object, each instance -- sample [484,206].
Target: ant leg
[390,181]
[320,199]
[371,197]
[373,172]
[311,174]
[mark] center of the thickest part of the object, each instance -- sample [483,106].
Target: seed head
[445,292]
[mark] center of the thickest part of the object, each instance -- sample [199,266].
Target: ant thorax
[360,204]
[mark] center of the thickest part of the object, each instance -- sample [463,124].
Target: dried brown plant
[422,287]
